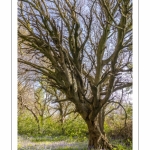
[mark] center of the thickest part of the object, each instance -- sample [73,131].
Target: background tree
[42,102]
[83,49]
[37,102]
[63,107]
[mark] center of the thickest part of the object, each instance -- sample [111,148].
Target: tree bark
[39,128]
[41,122]
[62,125]
[97,136]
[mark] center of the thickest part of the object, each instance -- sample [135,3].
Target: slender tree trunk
[39,129]
[97,137]
[62,125]
[41,125]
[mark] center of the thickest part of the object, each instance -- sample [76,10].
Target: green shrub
[27,125]
[75,128]
[51,128]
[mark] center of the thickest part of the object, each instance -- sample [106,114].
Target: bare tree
[83,49]
[63,107]
[37,102]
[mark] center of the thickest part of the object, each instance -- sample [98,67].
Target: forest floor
[47,143]
[58,143]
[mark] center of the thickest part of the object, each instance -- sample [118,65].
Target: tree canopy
[81,48]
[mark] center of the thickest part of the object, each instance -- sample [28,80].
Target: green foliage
[73,128]
[51,127]
[115,124]
[121,145]
[27,125]
[76,128]
[107,128]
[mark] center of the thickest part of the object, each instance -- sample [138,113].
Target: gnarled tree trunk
[97,137]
